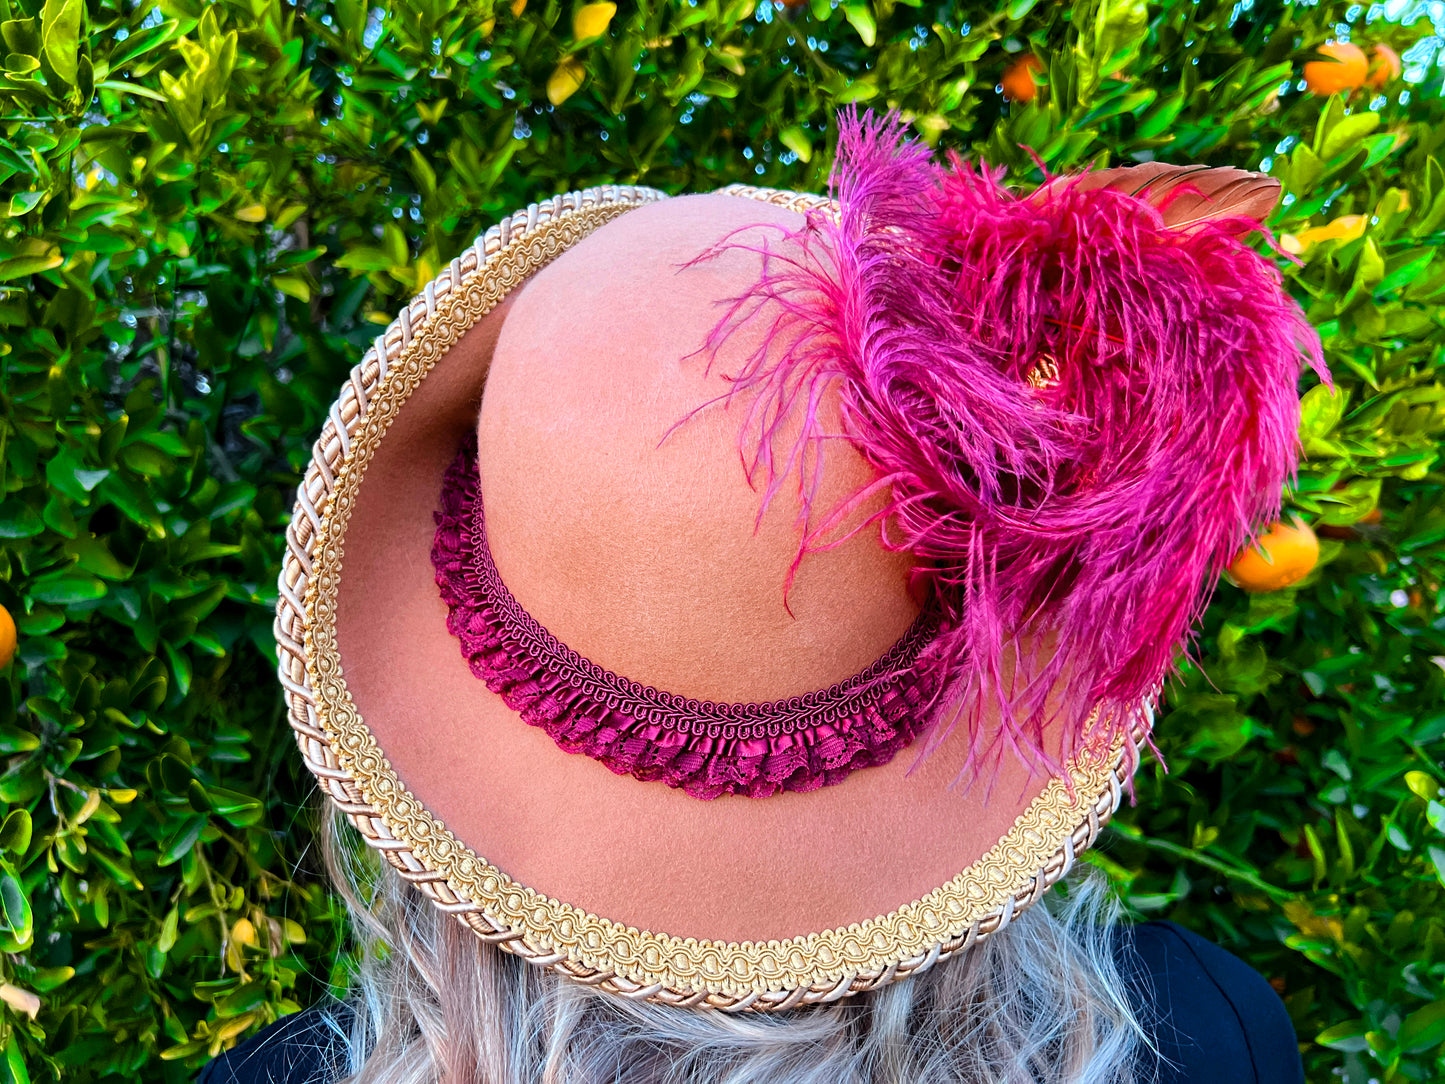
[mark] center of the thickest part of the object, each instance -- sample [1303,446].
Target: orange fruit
[1283,555]
[7,637]
[1384,68]
[566,80]
[592,20]
[1018,80]
[1345,69]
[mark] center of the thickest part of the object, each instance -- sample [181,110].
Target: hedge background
[210,209]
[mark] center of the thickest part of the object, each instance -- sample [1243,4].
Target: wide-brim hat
[625,540]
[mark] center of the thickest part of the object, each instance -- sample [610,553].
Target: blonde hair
[1042,1001]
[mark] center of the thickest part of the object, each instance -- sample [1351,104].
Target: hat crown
[638,544]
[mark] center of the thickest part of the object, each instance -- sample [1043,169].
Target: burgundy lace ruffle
[707,749]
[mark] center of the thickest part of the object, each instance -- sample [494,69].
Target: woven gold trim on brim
[353,771]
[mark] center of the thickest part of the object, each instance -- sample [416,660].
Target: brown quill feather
[1209,192]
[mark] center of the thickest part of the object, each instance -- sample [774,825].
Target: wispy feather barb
[1073,532]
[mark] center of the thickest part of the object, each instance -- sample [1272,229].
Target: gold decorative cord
[342,753]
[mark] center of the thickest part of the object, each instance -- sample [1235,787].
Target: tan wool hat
[835,551]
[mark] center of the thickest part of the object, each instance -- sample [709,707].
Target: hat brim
[849,888]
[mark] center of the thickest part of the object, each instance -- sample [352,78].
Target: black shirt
[1212,1017]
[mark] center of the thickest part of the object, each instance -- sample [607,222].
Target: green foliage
[207,211]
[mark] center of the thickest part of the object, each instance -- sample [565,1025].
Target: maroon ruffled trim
[707,749]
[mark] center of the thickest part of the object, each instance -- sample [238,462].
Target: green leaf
[184,1050]
[41,256]
[796,140]
[426,177]
[1305,169]
[94,556]
[1371,269]
[196,795]
[119,869]
[199,605]
[14,905]
[20,64]
[860,18]
[1424,1028]
[15,1060]
[15,740]
[1435,814]
[365,258]
[68,588]
[395,244]
[181,840]
[1347,133]
[1112,39]
[21,35]
[15,832]
[180,666]
[1320,411]
[24,202]
[175,774]
[292,286]
[1160,117]
[1433,218]
[859,90]
[46,979]
[167,938]
[1406,274]
[60,32]
[1348,1037]
[1379,148]
[134,503]
[1424,785]
[85,79]
[131,88]
[1437,859]
[248,997]
[19,520]
[240,809]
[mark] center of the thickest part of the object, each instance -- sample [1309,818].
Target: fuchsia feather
[1078,528]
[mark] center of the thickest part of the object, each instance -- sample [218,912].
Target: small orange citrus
[7,637]
[1283,555]
[1019,84]
[1384,68]
[1344,70]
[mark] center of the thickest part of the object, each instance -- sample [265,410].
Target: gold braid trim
[350,767]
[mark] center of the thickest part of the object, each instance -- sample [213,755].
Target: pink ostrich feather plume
[1071,528]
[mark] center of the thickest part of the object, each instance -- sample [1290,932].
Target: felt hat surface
[562,350]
